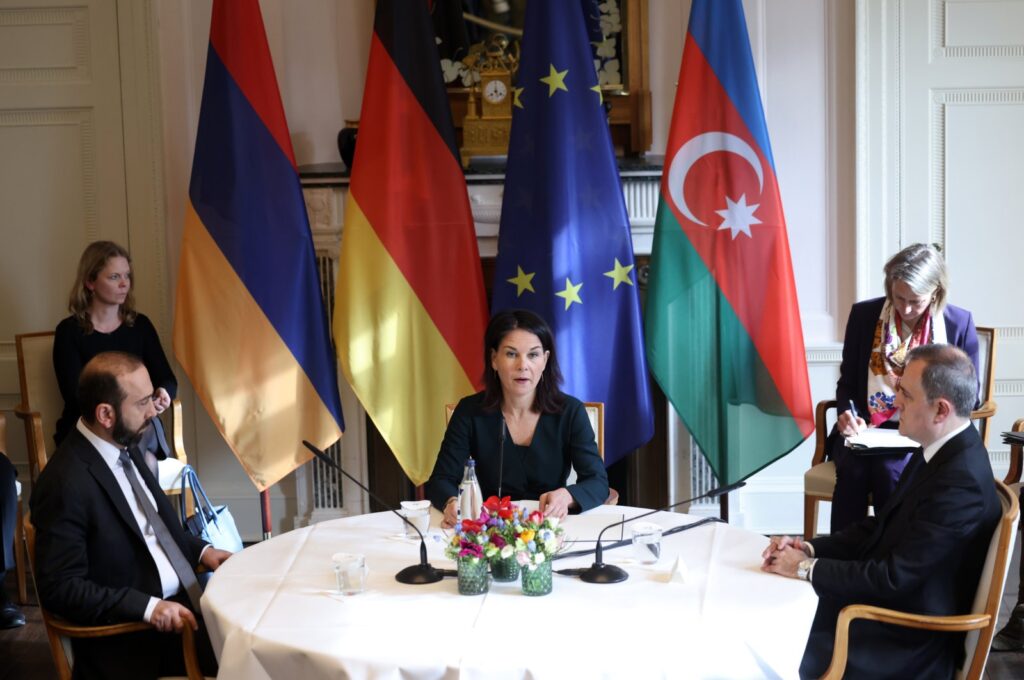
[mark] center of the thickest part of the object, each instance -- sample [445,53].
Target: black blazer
[923,553]
[561,440]
[92,563]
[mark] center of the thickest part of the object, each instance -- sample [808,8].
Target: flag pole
[268,521]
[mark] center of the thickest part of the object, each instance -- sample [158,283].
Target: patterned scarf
[889,354]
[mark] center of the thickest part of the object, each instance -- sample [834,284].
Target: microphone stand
[416,574]
[501,454]
[600,572]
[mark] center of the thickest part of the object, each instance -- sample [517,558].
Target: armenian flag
[250,328]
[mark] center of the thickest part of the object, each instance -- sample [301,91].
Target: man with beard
[109,547]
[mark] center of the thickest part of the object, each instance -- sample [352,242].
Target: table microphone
[416,574]
[600,572]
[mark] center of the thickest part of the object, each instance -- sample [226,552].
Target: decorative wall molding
[143,156]
[828,355]
[1012,334]
[75,17]
[1012,387]
[941,100]
[83,120]
[941,50]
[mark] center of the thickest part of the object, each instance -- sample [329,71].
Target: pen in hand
[856,418]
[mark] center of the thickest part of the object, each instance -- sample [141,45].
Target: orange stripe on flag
[262,409]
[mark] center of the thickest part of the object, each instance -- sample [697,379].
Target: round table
[271,612]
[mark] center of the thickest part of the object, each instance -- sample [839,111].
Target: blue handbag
[212,523]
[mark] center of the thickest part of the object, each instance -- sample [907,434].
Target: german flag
[410,311]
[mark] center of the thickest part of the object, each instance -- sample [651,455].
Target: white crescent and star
[738,215]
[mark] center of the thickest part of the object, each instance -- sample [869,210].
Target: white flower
[507,551]
[539,558]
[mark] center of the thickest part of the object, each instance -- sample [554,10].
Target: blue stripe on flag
[720,30]
[248,196]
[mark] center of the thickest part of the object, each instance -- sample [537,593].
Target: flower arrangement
[539,540]
[504,521]
[470,541]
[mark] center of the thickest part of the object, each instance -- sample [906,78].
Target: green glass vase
[473,576]
[505,569]
[537,580]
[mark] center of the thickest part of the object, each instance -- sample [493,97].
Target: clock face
[495,92]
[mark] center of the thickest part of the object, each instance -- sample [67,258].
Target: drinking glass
[349,572]
[646,542]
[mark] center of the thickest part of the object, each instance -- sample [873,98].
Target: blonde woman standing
[103,318]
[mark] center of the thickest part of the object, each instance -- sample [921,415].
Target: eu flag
[564,248]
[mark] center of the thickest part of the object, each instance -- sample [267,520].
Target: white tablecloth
[271,615]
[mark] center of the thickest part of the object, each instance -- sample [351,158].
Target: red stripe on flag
[237,33]
[755,272]
[413,193]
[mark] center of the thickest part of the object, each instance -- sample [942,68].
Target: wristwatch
[803,570]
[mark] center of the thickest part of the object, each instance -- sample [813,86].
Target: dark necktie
[185,573]
[913,466]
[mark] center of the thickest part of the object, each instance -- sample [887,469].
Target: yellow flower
[455,539]
[527,535]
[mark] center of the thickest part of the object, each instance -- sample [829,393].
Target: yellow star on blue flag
[564,221]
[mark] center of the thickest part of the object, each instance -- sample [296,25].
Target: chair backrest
[595,411]
[986,361]
[39,395]
[990,586]
[60,647]
[986,371]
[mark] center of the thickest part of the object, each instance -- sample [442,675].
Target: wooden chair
[595,412]
[60,632]
[41,404]
[980,623]
[1013,475]
[19,541]
[820,479]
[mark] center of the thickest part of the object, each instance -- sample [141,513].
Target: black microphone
[501,453]
[417,573]
[600,572]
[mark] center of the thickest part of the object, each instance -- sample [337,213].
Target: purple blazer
[860,337]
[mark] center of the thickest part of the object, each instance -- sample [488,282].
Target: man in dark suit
[109,547]
[924,551]
[10,615]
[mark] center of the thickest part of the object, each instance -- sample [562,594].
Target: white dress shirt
[169,581]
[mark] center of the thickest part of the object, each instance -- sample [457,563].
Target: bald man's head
[99,382]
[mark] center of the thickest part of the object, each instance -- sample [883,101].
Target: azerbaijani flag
[249,324]
[410,311]
[723,325]
[564,247]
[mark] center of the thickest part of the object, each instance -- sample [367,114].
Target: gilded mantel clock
[488,121]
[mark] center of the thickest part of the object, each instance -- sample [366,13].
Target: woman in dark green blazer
[547,431]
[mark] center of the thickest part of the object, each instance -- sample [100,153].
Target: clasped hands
[783,555]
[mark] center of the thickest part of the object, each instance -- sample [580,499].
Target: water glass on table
[646,542]
[349,573]
[417,512]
